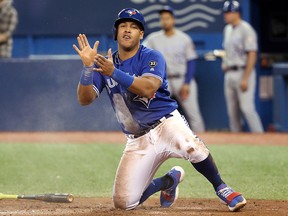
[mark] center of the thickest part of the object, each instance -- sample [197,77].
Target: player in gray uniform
[180,55]
[240,45]
[8,23]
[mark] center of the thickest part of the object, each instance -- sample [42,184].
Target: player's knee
[197,151]
[198,156]
[119,202]
[123,202]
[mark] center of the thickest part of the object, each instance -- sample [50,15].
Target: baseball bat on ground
[53,197]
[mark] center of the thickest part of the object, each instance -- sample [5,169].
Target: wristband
[122,78]
[86,76]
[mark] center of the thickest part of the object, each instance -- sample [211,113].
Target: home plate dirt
[104,207]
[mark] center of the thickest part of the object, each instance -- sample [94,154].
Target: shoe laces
[225,192]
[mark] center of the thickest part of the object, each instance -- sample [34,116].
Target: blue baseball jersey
[136,113]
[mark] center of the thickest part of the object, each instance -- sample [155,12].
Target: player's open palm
[86,53]
[105,65]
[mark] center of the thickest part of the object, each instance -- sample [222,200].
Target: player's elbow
[84,101]
[86,95]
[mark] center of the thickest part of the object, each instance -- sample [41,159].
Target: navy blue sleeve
[191,66]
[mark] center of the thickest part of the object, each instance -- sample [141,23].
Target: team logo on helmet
[131,13]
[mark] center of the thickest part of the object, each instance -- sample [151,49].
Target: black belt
[174,76]
[152,126]
[235,68]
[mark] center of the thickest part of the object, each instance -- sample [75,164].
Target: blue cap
[231,6]
[167,8]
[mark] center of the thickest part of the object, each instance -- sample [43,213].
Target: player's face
[230,17]
[167,21]
[129,35]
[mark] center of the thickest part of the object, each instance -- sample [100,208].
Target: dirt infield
[118,137]
[103,206]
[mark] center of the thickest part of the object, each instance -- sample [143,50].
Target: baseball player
[180,55]
[240,44]
[8,23]
[135,80]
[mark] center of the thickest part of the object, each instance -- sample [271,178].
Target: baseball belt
[174,76]
[152,126]
[235,68]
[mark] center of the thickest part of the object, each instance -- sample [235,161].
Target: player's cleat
[228,196]
[170,195]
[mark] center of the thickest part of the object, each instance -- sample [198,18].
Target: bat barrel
[56,197]
[62,198]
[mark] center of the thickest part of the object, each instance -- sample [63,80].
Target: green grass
[88,170]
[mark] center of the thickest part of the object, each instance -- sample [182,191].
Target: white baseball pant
[143,155]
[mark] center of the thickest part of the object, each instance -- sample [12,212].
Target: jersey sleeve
[98,83]
[250,40]
[154,65]
[190,52]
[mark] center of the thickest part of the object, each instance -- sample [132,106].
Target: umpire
[240,44]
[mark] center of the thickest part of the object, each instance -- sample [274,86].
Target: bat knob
[70,198]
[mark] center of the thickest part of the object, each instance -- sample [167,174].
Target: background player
[8,23]
[240,44]
[135,80]
[180,55]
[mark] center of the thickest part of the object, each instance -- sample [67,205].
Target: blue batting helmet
[231,6]
[128,14]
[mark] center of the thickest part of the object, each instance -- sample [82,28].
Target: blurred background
[38,84]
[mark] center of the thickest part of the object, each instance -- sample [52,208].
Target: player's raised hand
[86,53]
[105,65]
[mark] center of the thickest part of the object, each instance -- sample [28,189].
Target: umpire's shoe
[228,196]
[169,196]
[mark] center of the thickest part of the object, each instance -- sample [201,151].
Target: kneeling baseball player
[135,80]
